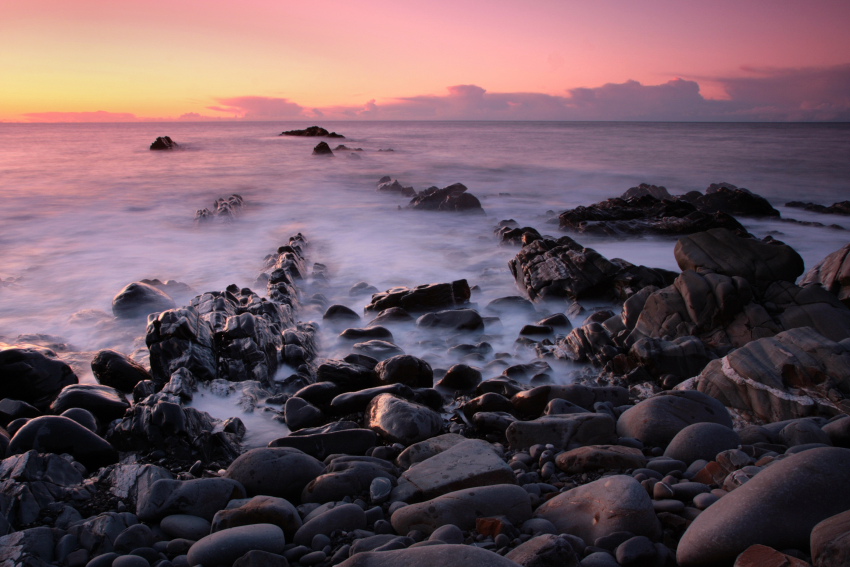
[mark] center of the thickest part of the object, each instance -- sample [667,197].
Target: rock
[258,510]
[840,208]
[56,434]
[830,541]
[643,215]
[532,402]
[726,198]
[563,431]
[405,369]
[367,333]
[394,186]
[279,471]
[223,548]
[451,198]
[461,377]
[258,558]
[104,402]
[114,369]
[445,555]
[185,526]
[466,464]
[833,273]
[782,377]
[426,449]
[33,375]
[311,132]
[644,189]
[400,421]
[138,300]
[779,507]
[701,441]
[461,508]
[11,410]
[346,517]
[180,338]
[34,546]
[300,413]
[379,350]
[348,376]
[600,457]
[133,537]
[348,476]
[201,497]
[323,149]
[512,304]
[321,445]
[597,509]
[657,420]
[453,319]
[544,551]
[764,556]
[723,252]
[423,298]
[163,143]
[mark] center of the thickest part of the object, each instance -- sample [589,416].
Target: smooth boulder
[222,549]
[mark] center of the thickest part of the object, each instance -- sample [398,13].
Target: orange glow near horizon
[159,60]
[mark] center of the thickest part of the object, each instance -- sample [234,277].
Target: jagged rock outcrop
[833,273]
[729,199]
[423,298]
[224,208]
[311,132]
[164,143]
[451,198]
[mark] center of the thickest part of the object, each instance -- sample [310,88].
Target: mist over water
[88,208]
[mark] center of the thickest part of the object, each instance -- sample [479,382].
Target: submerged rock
[114,369]
[312,131]
[423,298]
[323,149]
[451,198]
[163,143]
[138,300]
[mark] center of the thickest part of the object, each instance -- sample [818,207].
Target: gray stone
[833,273]
[185,526]
[222,549]
[563,431]
[463,507]
[139,299]
[444,555]
[778,507]
[830,541]
[701,441]
[405,369]
[347,477]
[198,497]
[114,369]
[275,471]
[595,457]
[400,421]
[426,449]
[597,509]
[346,517]
[258,510]
[545,551]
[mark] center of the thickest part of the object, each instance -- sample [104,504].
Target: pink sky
[393,59]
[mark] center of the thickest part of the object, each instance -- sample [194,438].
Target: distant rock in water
[451,198]
[312,131]
[139,300]
[225,208]
[322,149]
[388,185]
[645,189]
[344,148]
[727,198]
[164,143]
[842,208]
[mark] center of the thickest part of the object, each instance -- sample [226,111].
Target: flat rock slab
[778,507]
[463,507]
[563,431]
[465,465]
[611,504]
[442,555]
[418,452]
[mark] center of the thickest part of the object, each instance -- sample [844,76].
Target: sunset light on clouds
[101,60]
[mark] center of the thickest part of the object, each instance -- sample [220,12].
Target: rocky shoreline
[708,427]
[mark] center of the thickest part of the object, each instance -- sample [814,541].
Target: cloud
[99,116]
[260,108]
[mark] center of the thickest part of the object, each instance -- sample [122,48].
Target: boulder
[312,131]
[426,449]
[163,143]
[611,504]
[793,374]
[658,419]
[445,555]
[386,185]
[840,208]
[451,198]
[600,457]
[57,434]
[104,402]
[423,298]
[323,149]
[466,464]
[727,198]
[354,441]
[830,541]
[274,471]
[463,507]
[545,550]
[701,441]
[201,497]
[258,510]
[180,338]
[405,369]
[565,432]
[779,507]
[138,300]
[833,273]
[33,375]
[400,421]
[223,548]
[114,369]
[452,319]
[346,517]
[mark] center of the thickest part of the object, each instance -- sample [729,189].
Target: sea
[86,209]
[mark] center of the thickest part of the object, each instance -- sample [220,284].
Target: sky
[136,60]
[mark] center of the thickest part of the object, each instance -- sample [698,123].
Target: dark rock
[394,186]
[300,413]
[33,375]
[258,510]
[600,457]
[451,198]
[224,208]
[279,471]
[105,402]
[346,375]
[423,298]
[423,450]
[11,409]
[163,143]
[830,541]
[405,369]
[514,235]
[379,350]
[461,377]
[455,319]
[840,208]
[638,550]
[367,333]
[512,304]
[323,149]
[764,556]
[201,497]
[340,314]
[180,338]
[259,558]
[701,441]
[656,191]
[545,551]
[445,555]
[351,402]
[726,198]
[312,131]
[320,394]
[400,421]
[223,548]
[532,402]
[320,445]
[138,300]
[56,434]
[114,369]
[347,476]
[185,526]
[833,273]
[347,517]
[563,431]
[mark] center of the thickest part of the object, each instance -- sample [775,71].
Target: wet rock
[600,457]
[11,410]
[563,431]
[729,199]
[114,369]
[386,185]
[701,441]
[33,375]
[97,534]
[201,497]
[367,333]
[657,191]
[179,338]
[224,208]
[461,377]
[163,143]
[223,548]
[56,434]
[463,507]
[138,300]
[426,449]
[312,131]
[347,476]
[105,402]
[451,198]
[323,149]
[423,298]
[401,421]
[346,517]
[779,507]
[320,445]
[512,304]
[275,471]
[658,419]
[379,350]
[611,504]
[532,402]
[348,376]
[833,273]
[258,510]
[466,464]
[840,208]
[789,375]
[545,551]
[405,369]
[454,319]
[392,315]
[723,252]
[764,556]
[300,413]
[340,314]
[444,555]
[830,541]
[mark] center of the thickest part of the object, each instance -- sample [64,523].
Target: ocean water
[88,208]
